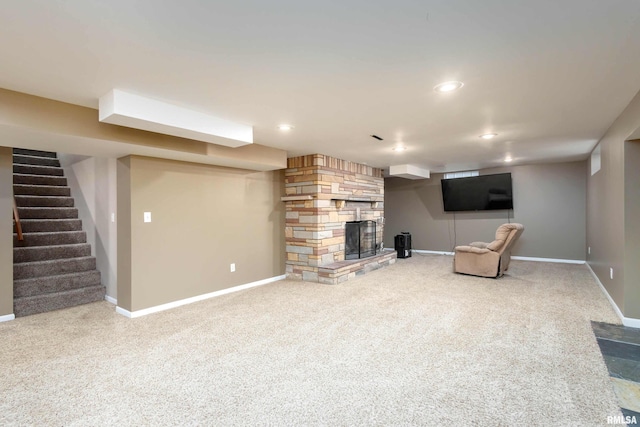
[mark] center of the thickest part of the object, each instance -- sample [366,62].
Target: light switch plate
[147,217]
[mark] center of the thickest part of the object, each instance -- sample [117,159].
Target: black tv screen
[477,193]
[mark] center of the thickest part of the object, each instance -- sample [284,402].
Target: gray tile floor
[620,347]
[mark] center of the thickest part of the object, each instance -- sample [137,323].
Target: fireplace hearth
[360,239]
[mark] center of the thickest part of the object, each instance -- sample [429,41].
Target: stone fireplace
[323,194]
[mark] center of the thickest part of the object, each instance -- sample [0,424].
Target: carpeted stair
[52,267]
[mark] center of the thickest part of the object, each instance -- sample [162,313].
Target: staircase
[52,267]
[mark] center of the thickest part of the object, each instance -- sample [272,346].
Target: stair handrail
[16,218]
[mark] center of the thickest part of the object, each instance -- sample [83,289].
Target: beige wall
[549,199]
[632,228]
[93,186]
[6,231]
[32,122]
[203,219]
[606,208]
[37,123]
[124,241]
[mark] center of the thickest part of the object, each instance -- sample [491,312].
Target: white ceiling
[548,76]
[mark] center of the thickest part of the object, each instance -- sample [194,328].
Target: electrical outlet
[589,250]
[611,273]
[113,217]
[147,217]
[232,267]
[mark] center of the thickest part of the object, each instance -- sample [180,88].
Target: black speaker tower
[403,245]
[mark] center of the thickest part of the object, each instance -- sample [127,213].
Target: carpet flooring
[411,344]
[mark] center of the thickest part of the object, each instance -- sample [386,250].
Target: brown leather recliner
[488,259]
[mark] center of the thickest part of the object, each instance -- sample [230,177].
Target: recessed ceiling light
[448,86]
[488,135]
[399,148]
[285,127]
[508,159]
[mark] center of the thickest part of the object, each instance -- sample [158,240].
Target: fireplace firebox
[360,239]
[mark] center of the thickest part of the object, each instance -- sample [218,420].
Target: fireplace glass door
[360,239]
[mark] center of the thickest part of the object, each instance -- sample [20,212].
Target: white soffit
[409,172]
[125,109]
[635,135]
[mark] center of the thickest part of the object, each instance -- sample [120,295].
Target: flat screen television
[477,193]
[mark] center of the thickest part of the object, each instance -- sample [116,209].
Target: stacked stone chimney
[322,193]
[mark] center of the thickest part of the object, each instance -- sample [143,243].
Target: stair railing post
[16,218]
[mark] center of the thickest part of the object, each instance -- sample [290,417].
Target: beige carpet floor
[412,344]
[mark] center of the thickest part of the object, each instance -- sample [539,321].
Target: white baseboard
[626,321]
[112,300]
[174,304]
[561,261]
[7,317]
[126,313]
[420,251]
[521,258]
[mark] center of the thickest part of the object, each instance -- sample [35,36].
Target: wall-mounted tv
[477,193]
